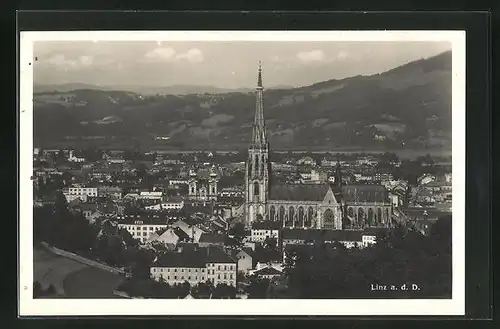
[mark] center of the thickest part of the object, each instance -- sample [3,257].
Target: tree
[257,288]
[51,290]
[37,289]
[238,231]
[270,243]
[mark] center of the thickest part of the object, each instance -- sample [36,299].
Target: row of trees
[404,257]
[38,290]
[150,288]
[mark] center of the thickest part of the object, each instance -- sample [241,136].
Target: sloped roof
[298,192]
[364,193]
[188,258]
[212,238]
[189,230]
[267,271]
[217,255]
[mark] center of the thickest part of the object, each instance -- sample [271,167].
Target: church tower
[257,167]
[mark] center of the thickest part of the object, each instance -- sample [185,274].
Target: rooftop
[364,193]
[212,238]
[299,192]
[266,225]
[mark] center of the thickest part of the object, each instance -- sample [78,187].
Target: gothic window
[262,162]
[370,216]
[301,216]
[272,213]
[361,216]
[213,190]
[379,216]
[329,219]
[291,213]
[282,215]
[310,213]
[192,189]
[256,162]
[350,212]
[255,188]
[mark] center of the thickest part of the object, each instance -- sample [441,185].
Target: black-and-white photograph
[220,166]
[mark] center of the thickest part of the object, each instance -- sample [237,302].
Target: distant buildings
[79,192]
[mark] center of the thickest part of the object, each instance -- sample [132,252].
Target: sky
[219,64]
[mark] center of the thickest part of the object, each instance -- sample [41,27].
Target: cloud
[311,56]
[160,54]
[61,62]
[168,54]
[192,55]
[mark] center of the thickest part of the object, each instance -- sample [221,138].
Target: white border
[77,307]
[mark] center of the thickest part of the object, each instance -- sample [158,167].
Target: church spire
[259,128]
[259,80]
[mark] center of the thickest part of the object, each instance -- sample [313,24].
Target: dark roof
[364,193]
[266,255]
[186,258]
[299,192]
[212,238]
[267,271]
[322,235]
[217,255]
[266,225]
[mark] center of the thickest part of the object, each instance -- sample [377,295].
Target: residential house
[244,258]
[260,231]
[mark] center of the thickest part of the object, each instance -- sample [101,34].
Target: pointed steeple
[259,139]
[259,80]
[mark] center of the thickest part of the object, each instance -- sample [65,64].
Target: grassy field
[73,279]
[91,282]
[50,269]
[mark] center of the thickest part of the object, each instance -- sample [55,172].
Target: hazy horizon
[227,65]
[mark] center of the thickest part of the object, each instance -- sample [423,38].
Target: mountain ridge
[407,106]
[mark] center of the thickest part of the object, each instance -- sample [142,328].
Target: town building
[79,192]
[142,227]
[170,204]
[195,266]
[203,189]
[245,259]
[266,229]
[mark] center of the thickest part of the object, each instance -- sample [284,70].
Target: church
[314,206]
[203,187]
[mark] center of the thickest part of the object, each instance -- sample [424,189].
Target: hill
[409,105]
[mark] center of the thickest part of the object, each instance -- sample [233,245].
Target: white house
[260,231]
[79,192]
